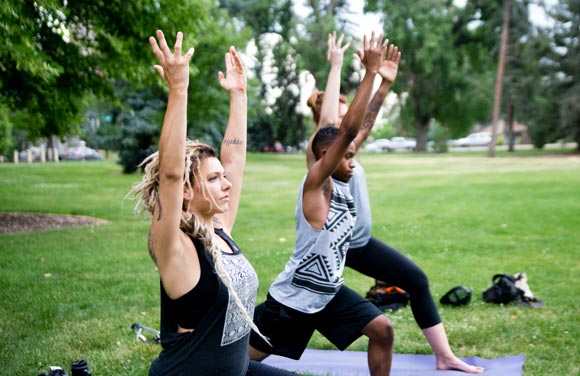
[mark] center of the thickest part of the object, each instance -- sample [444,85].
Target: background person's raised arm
[330,104]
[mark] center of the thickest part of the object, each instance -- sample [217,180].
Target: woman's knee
[416,282]
[422,282]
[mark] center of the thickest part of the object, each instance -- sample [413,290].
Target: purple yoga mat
[354,363]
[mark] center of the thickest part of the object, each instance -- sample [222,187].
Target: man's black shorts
[289,330]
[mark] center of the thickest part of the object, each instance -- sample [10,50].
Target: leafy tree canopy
[56,51]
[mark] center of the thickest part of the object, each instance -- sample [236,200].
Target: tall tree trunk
[499,78]
[578,141]
[422,128]
[510,120]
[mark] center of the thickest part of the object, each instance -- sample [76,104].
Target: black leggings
[261,369]
[379,261]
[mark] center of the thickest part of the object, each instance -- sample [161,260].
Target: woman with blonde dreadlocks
[208,288]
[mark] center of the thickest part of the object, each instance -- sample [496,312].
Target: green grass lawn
[71,294]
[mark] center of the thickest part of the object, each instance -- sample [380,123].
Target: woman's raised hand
[173,67]
[235,77]
[335,53]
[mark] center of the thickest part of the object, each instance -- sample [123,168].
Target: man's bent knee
[380,329]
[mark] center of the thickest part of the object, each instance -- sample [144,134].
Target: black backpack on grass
[503,290]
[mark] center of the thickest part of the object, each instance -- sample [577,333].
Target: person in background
[208,288]
[367,254]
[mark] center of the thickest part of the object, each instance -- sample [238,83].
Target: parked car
[80,153]
[377,146]
[35,152]
[402,143]
[474,139]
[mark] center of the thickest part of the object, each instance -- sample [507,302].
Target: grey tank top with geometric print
[313,275]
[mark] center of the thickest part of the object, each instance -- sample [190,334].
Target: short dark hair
[323,139]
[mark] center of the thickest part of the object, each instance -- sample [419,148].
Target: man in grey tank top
[367,254]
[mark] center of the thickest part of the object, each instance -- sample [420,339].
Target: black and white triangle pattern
[321,272]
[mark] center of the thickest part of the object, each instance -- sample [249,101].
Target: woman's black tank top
[219,343]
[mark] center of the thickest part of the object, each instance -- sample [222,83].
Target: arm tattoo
[234,141]
[159,207]
[373,110]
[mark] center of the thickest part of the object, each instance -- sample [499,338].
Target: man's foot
[457,364]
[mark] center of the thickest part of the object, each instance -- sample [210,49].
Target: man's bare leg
[380,351]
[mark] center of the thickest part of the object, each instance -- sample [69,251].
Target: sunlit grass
[73,293]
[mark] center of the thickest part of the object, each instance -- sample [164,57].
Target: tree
[525,72]
[567,66]
[442,65]
[325,17]
[277,67]
[208,103]
[138,115]
[139,121]
[56,51]
[288,124]
[499,77]
[5,131]
[69,51]
[542,74]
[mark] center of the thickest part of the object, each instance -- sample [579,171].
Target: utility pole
[499,77]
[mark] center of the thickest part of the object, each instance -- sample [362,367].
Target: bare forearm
[374,107]
[233,148]
[173,134]
[329,108]
[354,117]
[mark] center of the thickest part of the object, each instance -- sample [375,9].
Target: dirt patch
[28,222]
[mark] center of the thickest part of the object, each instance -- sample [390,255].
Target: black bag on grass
[387,297]
[503,290]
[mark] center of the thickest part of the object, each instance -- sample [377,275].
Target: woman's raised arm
[233,148]
[173,67]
